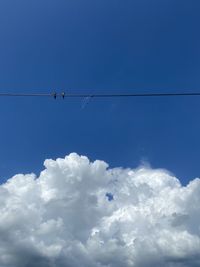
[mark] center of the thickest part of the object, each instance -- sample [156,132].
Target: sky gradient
[100,46]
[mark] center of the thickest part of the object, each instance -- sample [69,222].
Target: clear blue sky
[97,46]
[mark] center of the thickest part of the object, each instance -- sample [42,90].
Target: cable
[23,94]
[133,95]
[110,95]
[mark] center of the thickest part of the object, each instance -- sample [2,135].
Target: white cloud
[66,218]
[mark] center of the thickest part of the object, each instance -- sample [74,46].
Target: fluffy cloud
[81,213]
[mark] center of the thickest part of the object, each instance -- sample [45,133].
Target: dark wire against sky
[110,95]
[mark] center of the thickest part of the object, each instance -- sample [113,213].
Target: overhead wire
[133,95]
[24,94]
[99,95]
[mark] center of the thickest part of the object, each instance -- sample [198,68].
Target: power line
[134,95]
[98,95]
[23,94]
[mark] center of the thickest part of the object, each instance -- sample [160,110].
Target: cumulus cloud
[81,213]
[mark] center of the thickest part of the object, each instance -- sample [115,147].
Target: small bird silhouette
[63,95]
[54,95]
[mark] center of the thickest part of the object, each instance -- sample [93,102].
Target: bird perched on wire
[54,94]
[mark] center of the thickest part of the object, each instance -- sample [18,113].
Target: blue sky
[100,46]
